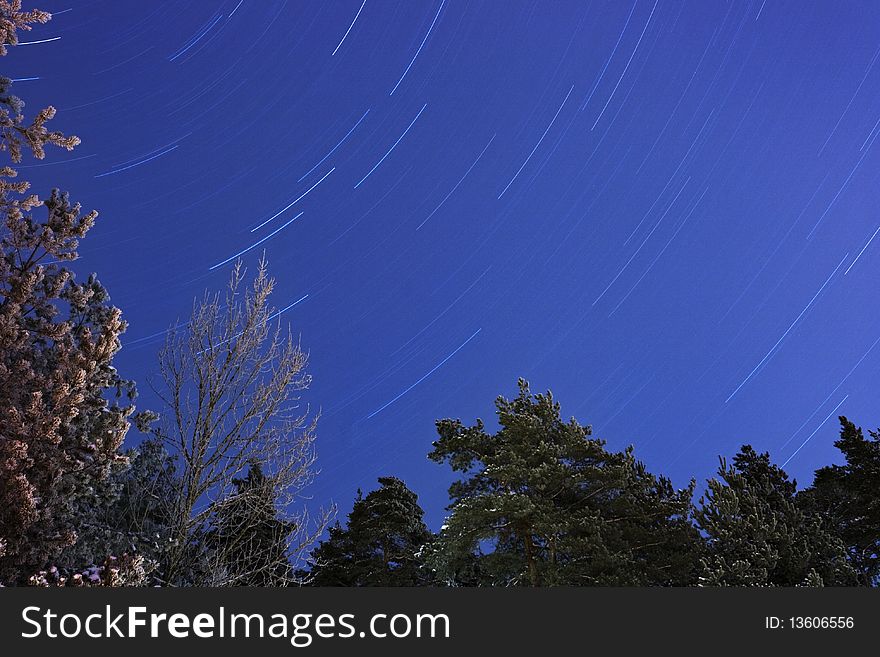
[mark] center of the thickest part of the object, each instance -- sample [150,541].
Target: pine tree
[59,434]
[847,498]
[758,536]
[381,544]
[247,544]
[543,503]
[131,513]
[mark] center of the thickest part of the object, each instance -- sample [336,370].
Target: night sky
[665,212]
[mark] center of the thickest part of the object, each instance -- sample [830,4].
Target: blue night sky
[666,212]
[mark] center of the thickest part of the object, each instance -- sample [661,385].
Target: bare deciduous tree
[230,381]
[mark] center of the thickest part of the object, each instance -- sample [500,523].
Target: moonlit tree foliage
[130,514]
[541,502]
[59,434]
[847,498]
[229,381]
[757,535]
[127,570]
[13,19]
[381,544]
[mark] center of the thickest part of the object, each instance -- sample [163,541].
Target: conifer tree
[131,512]
[847,498]
[541,502]
[62,419]
[381,544]
[758,536]
[248,542]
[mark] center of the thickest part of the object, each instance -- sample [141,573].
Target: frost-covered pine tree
[757,535]
[58,431]
[541,502]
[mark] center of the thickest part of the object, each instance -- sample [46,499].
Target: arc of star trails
[538,144]
[240,2]
[25,79]
[349,28]
[30,43]
[625,68]
[627,402]
[124,61]
[293,202]
[868,138]
[333,150]
[760,10]
[681,99]
[255,244]
[610,57]
[95,102]
[849,104]
[839,192]
[434,369]
[867,244]
[393,146]
[830,394]
[159,152]
[788,330]
[375,205]
[436,16]
[644,241]
[152,336]
[55,164]
[872,139]
[660,254]
[198,37]
[779,242]
[445,198]
[650,209]
[266,321]
[821,424]
[445,310]
[146,157]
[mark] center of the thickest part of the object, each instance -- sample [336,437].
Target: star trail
[666,212]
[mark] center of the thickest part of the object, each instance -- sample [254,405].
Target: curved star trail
[293,202]
[419,49]
[430,372]
[256,244]
[353,21]
[643,205]
[333,150]
[393,146]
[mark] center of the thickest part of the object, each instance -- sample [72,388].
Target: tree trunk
[534,577]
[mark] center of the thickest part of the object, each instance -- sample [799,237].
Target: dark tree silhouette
[381,544]
[847,498]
